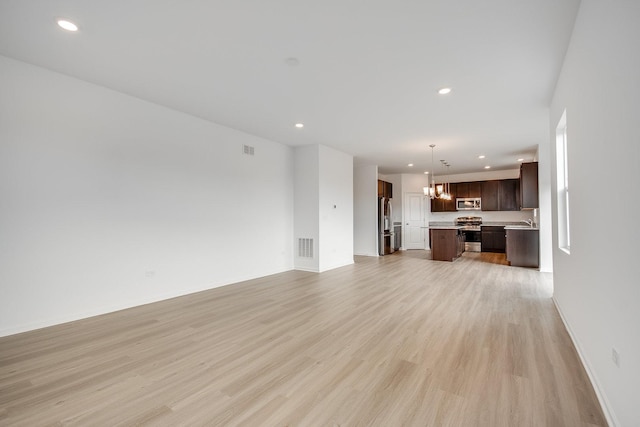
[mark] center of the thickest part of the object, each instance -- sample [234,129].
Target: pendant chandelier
[441,191]
[445,194]
[430,189]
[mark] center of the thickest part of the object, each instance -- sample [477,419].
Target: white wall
[324,206]
[336,208]
[596,286]
[108,201]
[414,183]
[365,208]
[307,204]
[544,218]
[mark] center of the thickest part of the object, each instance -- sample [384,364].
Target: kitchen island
[447,242]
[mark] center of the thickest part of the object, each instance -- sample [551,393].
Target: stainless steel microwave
[468,204]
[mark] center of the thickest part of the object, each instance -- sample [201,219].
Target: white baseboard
[602,398]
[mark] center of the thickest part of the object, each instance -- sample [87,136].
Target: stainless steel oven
[473,239]
[472,232]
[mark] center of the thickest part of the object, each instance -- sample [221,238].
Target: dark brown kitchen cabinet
[475,189]
[385,189]
[523,248]
[529,185]
[469,189]
[441,205]
[462,189]
[500,195]
[490,190]
[493,238]
[508,195]
[446,244]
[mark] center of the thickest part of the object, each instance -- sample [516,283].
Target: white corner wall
[545,194]
[307,204]
[109,202]
[365,210]
[323,194]
[335,208]
[596,287]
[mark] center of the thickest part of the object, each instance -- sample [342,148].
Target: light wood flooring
[392,341]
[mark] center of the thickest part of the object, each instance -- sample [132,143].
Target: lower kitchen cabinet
[523,247]
[446,244]
[493,238]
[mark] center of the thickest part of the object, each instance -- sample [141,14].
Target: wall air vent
[305,247]
[248,150]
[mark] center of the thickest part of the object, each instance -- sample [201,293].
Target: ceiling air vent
[248,150]
[305,247]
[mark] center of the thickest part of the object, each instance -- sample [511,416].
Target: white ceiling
[367,78]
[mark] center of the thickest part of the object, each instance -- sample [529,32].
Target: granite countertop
[511,225]
[445,227]
[508,225]
[503,223]
[521,227]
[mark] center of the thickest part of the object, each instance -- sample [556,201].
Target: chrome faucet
[529,222]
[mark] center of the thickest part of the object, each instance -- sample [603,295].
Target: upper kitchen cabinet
[500,195]
[490,191]
[385,189]
[528,185]
[441,205]
[509,195]
[469,189]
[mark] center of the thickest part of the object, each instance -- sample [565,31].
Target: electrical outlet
[615,356]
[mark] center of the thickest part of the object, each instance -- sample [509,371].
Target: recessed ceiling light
[444,90]
[292,62]
[521,160]
[67,25]
[410,165]
[426,173]
[299,125]
[481,156]
[487,167]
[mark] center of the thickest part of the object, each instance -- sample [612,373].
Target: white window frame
[562,182]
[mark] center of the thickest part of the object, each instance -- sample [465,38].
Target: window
[562,168]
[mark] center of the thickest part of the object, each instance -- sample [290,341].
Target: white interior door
[414,221]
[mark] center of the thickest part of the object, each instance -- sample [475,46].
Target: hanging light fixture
[430,189]
[442,189]
[447,193]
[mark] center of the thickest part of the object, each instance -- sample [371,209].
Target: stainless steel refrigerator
[385,227]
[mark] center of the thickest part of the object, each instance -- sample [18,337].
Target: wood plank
[395,340]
